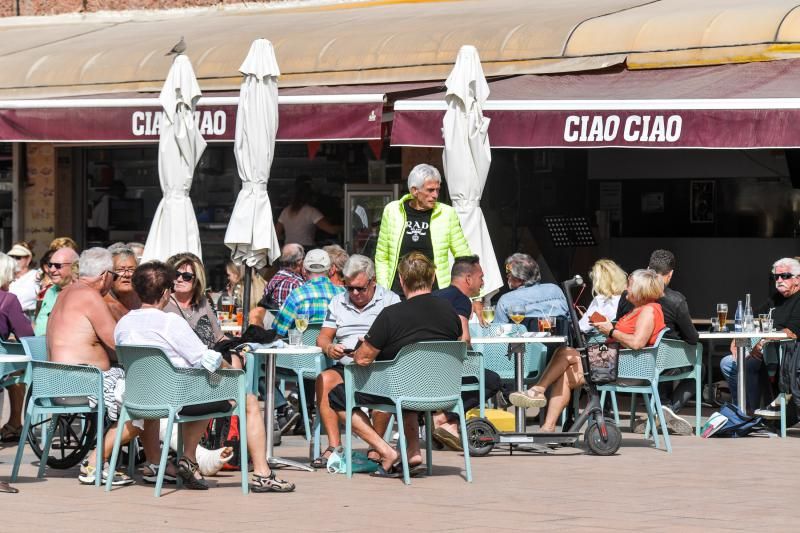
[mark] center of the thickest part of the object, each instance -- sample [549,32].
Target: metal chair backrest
[427,375]
[640,364]
[59,380]
[153,385]
[35,347]
[11,348]
[673,353]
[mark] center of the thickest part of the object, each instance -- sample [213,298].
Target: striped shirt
[311,298]
[279,287]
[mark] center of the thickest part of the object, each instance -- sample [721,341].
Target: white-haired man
[418,222]
[785,305]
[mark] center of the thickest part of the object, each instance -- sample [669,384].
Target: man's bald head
[62,266]
[292,255]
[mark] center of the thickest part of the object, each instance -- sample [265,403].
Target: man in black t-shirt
[421,317]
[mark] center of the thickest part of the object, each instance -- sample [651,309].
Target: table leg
[519,378]
[269,418]
[742,346]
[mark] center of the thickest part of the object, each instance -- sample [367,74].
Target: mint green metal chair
[425,376]
[9,371]
[297,367]
[773,355]
[640,365]
[51,381]
[155,389]
[674,353]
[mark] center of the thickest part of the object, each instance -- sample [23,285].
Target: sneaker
[269,483]
[639,425]
[88,474]
[770,412]
[523,399]
[676,424]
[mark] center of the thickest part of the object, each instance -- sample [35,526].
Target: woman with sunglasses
[189,299]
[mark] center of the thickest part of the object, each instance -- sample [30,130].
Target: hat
[19,251]
[317,261]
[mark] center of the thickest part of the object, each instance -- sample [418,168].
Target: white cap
[317,261]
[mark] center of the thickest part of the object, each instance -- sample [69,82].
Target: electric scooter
[601,436]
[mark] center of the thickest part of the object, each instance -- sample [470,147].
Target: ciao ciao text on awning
[634,128]
[148,123]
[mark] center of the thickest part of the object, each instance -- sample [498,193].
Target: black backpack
[789,377]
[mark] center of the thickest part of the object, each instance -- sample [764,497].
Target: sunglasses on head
[784,275]
[185,276]
[57,265]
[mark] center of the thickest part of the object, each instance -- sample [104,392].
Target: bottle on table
[747,319]
[737,321]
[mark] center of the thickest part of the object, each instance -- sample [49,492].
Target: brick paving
[713,484]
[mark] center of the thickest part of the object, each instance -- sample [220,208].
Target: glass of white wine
[301,323]
[517,314]
[488,314]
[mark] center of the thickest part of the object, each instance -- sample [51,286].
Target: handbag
[603,362]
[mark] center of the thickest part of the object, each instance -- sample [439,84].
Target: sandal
[528,398]
[394,471]
[270,483]
[9,433]
[150,475]
[378,455]
[322,460]
[5,487]
[447,439]
[186,470]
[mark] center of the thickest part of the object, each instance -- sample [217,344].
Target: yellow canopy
[386,41]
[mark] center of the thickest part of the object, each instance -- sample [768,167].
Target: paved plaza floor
[715,484]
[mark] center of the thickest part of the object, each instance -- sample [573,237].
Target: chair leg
[633,410]
[782,397]
[698,402]
[316,429]
[662,418]
[162,464]
[178,480]
[26,426]
[101,435]
[348,442]
[403,445]
[464,441]
[482,394]
[302,389]
[428,442]
[387,435]
[614,406]
[243,444]
[112,464]
[651,420]
[48,441]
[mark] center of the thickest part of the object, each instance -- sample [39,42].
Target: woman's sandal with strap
[186,470]
[322,460]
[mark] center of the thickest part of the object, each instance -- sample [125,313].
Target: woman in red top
[636,330]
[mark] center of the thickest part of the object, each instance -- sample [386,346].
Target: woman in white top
[26,283]
[298,222]
[608,283]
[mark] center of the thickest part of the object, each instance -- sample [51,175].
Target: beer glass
[722,316]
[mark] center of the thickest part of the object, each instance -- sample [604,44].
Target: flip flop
[392,472]
[447,439]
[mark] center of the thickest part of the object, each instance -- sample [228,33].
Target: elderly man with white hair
[418,222]
[785,306]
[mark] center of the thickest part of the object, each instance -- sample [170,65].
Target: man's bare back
[81,328]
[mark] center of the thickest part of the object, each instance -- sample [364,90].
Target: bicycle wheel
[597,445]
[73,439]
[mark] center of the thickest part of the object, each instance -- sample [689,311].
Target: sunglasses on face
[114,275]
[356,289]
[57,266]
[17,257]
[185,276]
[783,275]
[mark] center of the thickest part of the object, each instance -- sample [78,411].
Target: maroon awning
[305,114]
[752,105]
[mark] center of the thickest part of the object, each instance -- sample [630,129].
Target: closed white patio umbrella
[180,146]
[467,157]
[251,232]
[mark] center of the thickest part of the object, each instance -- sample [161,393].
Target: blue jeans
[752,370]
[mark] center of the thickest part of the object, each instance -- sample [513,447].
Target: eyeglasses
[125,271]
[356,289]
[185,276]
[784,275]
[57,266]
[114,275]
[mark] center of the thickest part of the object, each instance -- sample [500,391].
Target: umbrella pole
[248,272]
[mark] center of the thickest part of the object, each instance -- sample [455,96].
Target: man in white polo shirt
[348,319]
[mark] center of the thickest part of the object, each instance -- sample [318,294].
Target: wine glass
[517,315]
[301,323]
[488,313]
[722,315]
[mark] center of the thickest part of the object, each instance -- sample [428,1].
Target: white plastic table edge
[518,340]
[749,335]
[289,350]
[4,358]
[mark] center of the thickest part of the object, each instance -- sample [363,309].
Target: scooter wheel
[597,445]
[481,436]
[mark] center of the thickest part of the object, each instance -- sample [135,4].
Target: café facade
[662,125]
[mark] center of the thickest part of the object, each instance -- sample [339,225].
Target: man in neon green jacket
[418,222]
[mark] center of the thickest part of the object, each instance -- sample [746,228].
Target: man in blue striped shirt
[311,298]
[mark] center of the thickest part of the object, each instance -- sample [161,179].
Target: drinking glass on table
[301,323]
[546,324]
[715,324]
[722,316]
[488,313]
[517,314]
[226,307]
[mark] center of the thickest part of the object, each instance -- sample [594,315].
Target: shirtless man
[80,331]
[122,298]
